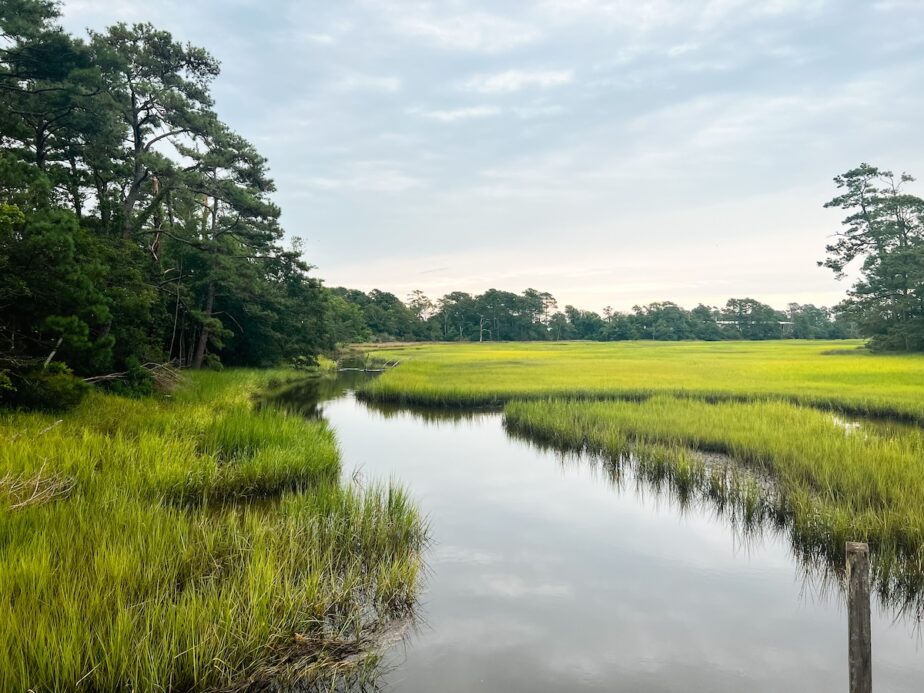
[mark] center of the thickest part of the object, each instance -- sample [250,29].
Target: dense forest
[137,229]
[533,315]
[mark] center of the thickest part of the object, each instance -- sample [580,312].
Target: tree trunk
[74,186]
[181,356]
[40,139]
[199,356]
[102,200]
[158,220]
[128,205]
[210,294]
[138,172]
[176,309]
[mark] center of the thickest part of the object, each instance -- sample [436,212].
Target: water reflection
[555,570]
[746,500]
[749,530]
[308,396]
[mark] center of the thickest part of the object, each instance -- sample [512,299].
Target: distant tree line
[135,226]
[534,315]
[882,237]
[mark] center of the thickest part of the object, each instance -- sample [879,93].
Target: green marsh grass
[190,543]
[827,481]
[838,375]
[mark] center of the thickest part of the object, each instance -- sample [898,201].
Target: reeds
[829,482]
[190,543]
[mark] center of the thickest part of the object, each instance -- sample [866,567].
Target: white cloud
[121,10]
[367,176]
[324,39]
[898,5]
[718,12]
[656,15]
[515,587]
[640,15]
[681,49]
[453,115]
[515,80]
[301,24]
[355,81]
[537,111]
[476,31]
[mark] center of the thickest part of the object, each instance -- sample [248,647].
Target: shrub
[138,381]
[54,387]
[304,363]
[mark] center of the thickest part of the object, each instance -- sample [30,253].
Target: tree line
[497,315]
[136,227]
[881,239]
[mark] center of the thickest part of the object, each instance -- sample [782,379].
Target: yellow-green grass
[835,374]
[189,543]
[832,482]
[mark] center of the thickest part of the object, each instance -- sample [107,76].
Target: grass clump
[129,558]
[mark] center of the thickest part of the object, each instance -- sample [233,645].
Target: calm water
[545,575]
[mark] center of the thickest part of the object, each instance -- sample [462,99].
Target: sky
[611,152]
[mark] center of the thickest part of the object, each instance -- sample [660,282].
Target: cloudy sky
[609,151]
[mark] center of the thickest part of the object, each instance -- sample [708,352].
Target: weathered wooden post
[858,618]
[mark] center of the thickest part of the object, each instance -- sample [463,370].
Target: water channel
[547,574]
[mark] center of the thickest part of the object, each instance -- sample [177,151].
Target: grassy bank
[837,374]
[189,543]
[832,482]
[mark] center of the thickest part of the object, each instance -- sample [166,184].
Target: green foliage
[347,321]
[305,363]
[53,388]
[135,226]
[532,316]
[19,17]
[356,316]
[50,291]
[138,381]
[884,233]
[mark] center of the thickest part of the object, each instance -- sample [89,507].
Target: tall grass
[835,375]
[832,482]
[190,543]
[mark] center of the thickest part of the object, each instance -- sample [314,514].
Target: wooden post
[858,618]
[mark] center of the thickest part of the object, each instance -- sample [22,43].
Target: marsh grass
[835,375]
[190,543]
[800,468]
